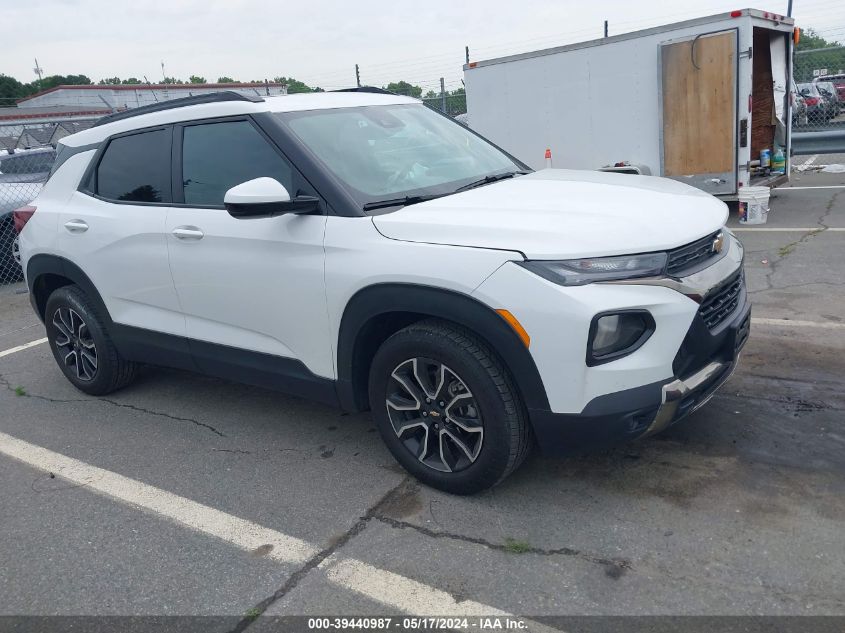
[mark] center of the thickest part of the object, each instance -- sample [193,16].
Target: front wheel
[447,408]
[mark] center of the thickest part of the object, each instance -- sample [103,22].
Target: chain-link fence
[819,92]
[27,153]
[454,103]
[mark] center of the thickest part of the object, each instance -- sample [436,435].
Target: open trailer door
[698,78]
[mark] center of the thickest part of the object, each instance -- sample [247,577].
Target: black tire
[111,371]
[10,270]
[506,432]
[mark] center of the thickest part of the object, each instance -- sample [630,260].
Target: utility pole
[357,76]
[789,9]
[442,95]
[163,76]
[38,71]
[467,52]
[605,28]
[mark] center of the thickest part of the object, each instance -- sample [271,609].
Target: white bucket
[753,205]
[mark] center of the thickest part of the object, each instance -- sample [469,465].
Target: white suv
[363,250]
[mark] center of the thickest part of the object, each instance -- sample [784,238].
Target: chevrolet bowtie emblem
[718,244]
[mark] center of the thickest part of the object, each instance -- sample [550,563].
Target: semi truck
[697,101]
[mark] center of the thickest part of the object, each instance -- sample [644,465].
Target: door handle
[76,226]
[188,233]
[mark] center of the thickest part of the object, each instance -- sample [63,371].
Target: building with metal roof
[124,96]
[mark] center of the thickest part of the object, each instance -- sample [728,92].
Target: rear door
[113,229]
[698,83]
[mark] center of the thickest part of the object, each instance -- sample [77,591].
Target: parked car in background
[22,175]
[819,107]
[799,107]
[838,81]
[828,90]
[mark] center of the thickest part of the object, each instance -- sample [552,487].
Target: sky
[320,41]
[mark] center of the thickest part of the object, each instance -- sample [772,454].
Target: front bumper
[704,363]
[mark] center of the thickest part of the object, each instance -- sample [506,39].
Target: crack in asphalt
[312,563]
[5,382]
[785,251]
[560,551]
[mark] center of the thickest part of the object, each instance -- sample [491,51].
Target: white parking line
[239,532]
[400,592]
[793,323]
[20,348]
[383,586]
[806,164]
[790,229]
[779,189]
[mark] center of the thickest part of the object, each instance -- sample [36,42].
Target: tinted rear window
[136,168]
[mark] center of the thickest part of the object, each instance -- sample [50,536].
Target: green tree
[195,79]
[132,81]
[404,88]
[811,40]
[295,86]
[456,101]
[10,90]
[813,53]
[172,80]
[226,80]
[109,81]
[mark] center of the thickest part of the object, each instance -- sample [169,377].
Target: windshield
[808,89]
[387,152]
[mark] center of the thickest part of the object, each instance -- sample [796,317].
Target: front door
[698,85]
[252,290]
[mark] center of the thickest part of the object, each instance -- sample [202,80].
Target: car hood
[562,213]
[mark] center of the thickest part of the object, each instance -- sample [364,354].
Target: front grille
[685,258]
[720,304]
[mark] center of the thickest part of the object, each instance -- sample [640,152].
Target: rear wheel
[82,346]
[447,409]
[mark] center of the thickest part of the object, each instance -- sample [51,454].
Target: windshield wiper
[396,202]
[488,179]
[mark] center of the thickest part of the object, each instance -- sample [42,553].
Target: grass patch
[252,613]
[786,250]
[20,391]
[517,547]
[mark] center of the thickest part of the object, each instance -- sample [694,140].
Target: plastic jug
[778,162]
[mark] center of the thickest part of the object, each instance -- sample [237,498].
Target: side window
[136,168]
[218,156]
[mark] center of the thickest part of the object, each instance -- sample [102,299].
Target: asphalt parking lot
[187,495]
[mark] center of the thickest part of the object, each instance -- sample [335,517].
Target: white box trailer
[696,101]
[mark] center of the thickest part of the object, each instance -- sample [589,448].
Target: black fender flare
[459,308]
[40,265]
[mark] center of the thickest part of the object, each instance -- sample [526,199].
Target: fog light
[617,334]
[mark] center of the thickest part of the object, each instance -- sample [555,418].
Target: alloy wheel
[75,343]
[434,414]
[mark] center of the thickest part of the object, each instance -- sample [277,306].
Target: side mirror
[265,198]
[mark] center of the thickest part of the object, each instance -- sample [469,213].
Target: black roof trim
[372,89]
[170,104]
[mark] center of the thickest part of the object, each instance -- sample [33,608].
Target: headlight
[576,272]
[617,334]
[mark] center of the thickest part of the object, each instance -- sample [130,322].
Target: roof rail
[213,97]
[373,89]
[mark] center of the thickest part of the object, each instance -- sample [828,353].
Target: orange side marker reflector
[516,326]
[796,36]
